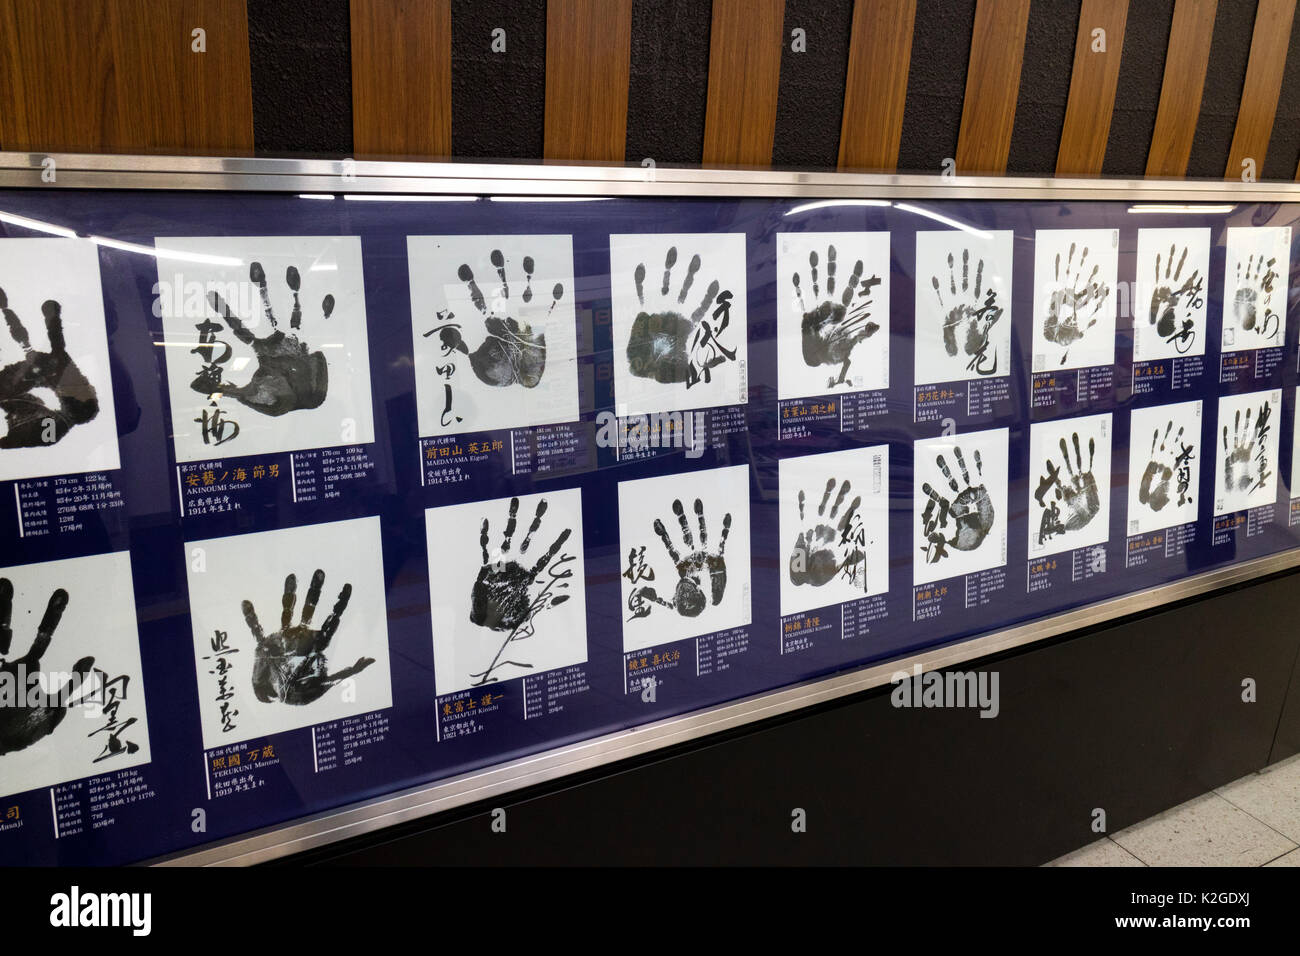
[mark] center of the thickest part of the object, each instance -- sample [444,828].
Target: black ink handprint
[1252,305]
[512,352]
[824,549]
[1167,297]
[27,385]
[505,596]
[290,665]
[667,346]
[288,376]
[1075,501]
[35,712]
[1245,463]
[969,318]
[970,512]
[502,598]
[832,329]
[702,576]
[1076,301]
[1172,458]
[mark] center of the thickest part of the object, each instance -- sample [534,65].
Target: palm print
[1075,500]
[1076,300]
[1170,459]
[288,376]
[1254,296]
[822,550]
[963,522]
[702,575]
[1245,466]
[1167,297]
[22,724]
[832,330]
[669,347]
[512,352]
[30,421]
[290,666]
[969,318]
[500,599]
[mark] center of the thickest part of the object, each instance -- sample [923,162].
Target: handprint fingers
[288,600]
[551,552]
[313,596]
[331,623]
[532,528]
[16,329]
[681,521]
[250,618]
[236,325]
[851,286]
[663,536]
[54,609]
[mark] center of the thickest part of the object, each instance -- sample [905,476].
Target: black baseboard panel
[1129,718]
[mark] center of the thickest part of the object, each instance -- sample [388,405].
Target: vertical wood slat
[1263,85]
[875,88]
[588,69]
[992,85]
[1186,61]
[1093,82]
[401,77]
[745,45]
[122,75]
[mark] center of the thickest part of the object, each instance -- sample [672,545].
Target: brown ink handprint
[1167,297]
[1169,470]
[701,574]
[513,351]
[1252,305]
[290,665]
[667,346]
[29,419]
[833,328]
[287,376]
[969,319]
[1075,500]
[962,522]
[36,712]
[1077,299]
[1245,463]
[826,548]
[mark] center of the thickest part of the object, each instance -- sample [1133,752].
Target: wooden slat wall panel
[401,77]
[875,91]
[992,85]
[1092,89]
[745,47]
[120,75]
[1184,81]
[588,55]
[1259,95]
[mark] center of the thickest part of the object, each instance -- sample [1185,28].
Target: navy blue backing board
[192,792]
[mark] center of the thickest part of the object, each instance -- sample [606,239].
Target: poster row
[267,349]
[290,626]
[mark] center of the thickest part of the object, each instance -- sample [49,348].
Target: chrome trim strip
[371,815]
[91,171]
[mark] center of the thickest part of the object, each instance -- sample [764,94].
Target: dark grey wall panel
[301,60]
[1044,86]
[936,84]
[669,84]
[810,99]
[1284,144]
[1224,77]
[1137,97]
[497,99]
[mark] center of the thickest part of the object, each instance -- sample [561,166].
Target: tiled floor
[1254,821]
